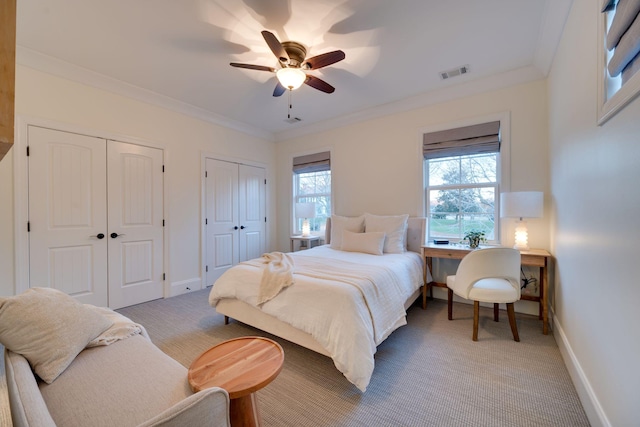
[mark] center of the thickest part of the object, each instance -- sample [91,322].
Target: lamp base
[522,236]
[306,229]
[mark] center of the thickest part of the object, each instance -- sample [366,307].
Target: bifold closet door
[222,223]
[235,198]
[95,218]
[68,214]
[135,207]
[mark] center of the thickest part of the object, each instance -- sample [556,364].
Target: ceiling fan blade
[279,90]
[253,67]
[276,46]
[324,59]
[319,84]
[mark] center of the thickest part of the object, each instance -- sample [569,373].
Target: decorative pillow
[49,328]
[368,243]
[394,227]
[341,223]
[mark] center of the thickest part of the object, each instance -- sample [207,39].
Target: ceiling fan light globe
[291,78]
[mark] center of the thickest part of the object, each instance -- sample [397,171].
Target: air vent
[455,72]
[293,120]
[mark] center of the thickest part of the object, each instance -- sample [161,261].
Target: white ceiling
[176,53]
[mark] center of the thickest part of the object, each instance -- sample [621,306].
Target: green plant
[474,237]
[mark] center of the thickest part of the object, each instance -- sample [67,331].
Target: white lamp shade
[521,204]
[291,78]
[305,210]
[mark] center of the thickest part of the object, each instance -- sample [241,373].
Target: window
[619,57]
[312,183]
[462,181]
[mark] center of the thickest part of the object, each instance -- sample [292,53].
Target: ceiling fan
[293,64]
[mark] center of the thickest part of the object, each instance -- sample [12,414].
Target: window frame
[296,222]
[503,172]
[495,185]
[610,105]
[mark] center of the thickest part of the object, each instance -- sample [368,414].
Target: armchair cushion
[494,290]
[134,379]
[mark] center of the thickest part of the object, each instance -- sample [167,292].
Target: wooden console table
[533,258]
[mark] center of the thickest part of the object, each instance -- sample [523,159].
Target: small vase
[474,243]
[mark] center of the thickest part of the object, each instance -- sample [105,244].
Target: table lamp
[306,211]
[521,204]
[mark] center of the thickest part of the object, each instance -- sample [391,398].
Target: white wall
[44,96]
[376,165]
[594,177]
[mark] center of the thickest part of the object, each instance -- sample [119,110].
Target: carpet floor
[428,373]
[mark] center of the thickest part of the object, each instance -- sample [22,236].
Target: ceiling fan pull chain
[290,105]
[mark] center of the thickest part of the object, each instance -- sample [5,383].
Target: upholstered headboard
[416,232]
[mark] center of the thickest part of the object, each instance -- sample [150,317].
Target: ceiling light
[291,78]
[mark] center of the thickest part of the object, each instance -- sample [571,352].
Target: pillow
[49,328]
[368,243]
[395,229]
[341,223]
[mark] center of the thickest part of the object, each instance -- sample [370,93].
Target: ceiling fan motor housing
[296,51]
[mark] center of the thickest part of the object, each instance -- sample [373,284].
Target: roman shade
[623,37]
[468,140]
[317,162]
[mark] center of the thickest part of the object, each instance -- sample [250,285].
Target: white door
[135,223]
[221,196]
[68,214]
[252,211]
[102,247]
[235,198]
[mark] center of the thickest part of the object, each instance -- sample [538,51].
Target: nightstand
[299,243]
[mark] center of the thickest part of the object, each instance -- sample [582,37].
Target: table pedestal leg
[243,411]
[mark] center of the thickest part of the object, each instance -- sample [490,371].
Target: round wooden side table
[241,366]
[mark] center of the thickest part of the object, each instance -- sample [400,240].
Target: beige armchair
[488,275]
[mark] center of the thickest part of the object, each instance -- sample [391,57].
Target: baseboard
[184,286]
[588,398]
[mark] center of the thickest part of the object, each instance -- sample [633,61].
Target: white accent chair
[488,275]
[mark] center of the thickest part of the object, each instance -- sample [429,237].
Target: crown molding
[50,65]
[555,17]
[438,96]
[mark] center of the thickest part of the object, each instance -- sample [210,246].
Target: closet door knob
[114,235]
[242,227]
[99,236]
[235,228]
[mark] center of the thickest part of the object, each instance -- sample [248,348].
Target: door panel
[221,198]
[135,224]
[67,211]
[252,200]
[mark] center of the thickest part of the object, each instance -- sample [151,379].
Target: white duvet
[348,301]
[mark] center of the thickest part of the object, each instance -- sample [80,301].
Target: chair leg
[476,318]
[512,321]
[450,304]
[496,310]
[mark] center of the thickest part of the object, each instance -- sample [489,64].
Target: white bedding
[348,301]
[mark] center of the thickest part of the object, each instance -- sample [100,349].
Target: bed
[342,304]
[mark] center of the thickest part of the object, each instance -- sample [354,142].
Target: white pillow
[49,328]
[368,243]
[341,223]
[393,226]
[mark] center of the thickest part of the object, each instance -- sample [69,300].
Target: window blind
[623,37]
[474,139]
[317,162]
